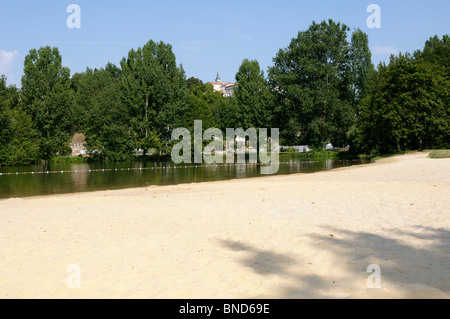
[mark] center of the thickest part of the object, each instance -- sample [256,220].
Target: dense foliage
[408,103]
[318,78]
[322,88]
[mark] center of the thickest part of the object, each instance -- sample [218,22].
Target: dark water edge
[62,178]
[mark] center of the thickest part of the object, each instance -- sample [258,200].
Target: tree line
[322,88]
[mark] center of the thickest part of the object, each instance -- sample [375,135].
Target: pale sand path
[297,236]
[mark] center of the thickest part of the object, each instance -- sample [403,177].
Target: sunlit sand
[292,236]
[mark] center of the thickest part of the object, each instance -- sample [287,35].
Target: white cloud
[380,50]
[7,61]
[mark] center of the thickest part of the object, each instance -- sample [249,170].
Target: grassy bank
[345,155]
[376,157]
[440,154]
[69,160]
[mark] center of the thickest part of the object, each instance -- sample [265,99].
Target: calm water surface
[103,176]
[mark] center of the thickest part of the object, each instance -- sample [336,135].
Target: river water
[35,180]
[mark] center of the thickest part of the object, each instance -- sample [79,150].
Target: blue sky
[207,36]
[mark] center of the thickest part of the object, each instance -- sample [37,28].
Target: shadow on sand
[415,264]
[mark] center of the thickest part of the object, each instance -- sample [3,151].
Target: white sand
[296,236]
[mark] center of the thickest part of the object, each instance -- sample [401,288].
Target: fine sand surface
[296,236]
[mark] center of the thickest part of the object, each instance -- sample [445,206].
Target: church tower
[226,88]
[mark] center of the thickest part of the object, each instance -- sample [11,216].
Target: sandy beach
[292,236]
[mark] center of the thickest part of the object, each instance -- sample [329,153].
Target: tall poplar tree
[361,67]
[48,99]
[253,97]
[154,91]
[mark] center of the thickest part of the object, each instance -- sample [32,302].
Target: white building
[226,88]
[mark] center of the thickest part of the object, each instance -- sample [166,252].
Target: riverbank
[290,236]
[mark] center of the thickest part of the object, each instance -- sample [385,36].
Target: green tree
[437,51]
[23,148]
[48,99]
[18,142]
[5,101]
[200,107]
[105,118]
[79,115]
[226,111]
[5,121]
[254,99]
[407,108]
[313,79]
[155,92]
[361,67]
